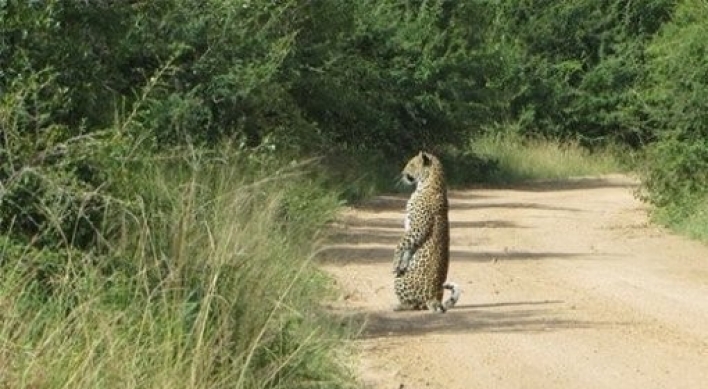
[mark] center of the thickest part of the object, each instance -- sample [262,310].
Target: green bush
[673,100]
[56,180]
[305,77]
[209,285]
[571,67]
[393,77]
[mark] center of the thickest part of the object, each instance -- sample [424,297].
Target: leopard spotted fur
[422,257]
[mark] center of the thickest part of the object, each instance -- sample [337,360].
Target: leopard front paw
[402,263]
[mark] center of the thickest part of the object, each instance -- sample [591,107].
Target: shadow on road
[565,184]
[581,183]
[464,205]
[508,317]
[343,254]
[369,236]
[457,203]
[372,239]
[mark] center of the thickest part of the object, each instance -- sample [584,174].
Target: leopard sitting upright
[422,257]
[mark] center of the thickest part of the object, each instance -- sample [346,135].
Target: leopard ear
[426,158]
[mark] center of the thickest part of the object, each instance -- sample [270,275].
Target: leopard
[422,256]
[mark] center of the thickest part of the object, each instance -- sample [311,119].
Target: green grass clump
[205,282]
[511,158]
[689,218]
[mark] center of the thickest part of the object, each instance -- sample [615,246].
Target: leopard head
[419,168]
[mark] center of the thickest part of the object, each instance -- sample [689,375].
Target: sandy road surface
[564,286]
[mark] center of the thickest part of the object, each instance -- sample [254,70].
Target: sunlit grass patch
[514,159]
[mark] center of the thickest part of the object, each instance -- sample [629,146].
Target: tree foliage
[673,99]
[575,64]
[87,85]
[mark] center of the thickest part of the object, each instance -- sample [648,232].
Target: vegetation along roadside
[164,165]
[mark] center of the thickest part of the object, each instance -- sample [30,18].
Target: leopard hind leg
[436,306]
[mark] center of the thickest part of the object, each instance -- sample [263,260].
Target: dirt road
[564,286]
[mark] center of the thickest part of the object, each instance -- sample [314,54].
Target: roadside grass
[506,158]
[676,188]
[207,283]
[689,218]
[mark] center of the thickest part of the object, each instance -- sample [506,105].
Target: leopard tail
[454,296]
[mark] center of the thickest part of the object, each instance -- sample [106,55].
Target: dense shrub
[57,182]
[573,65]
[673,98]
[90,87]
[395,76]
